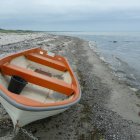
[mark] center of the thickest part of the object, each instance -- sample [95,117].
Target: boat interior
[48,76]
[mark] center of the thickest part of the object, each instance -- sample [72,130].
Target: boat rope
[24,131]
[30,135]
[5,121]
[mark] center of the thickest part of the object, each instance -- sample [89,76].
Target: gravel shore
[108,109]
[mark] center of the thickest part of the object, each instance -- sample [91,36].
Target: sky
[70,15]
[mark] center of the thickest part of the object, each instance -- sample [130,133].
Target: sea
[120,50]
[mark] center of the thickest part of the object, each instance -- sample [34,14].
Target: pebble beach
[108,109]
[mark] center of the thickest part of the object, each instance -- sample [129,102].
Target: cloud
[36,13]
[63,6]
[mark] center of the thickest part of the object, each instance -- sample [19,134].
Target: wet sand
[108,108]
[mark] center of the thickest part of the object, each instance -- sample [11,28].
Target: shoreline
[120,90]
[108,108]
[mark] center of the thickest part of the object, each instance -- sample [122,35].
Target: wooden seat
[37,79]
[44,60]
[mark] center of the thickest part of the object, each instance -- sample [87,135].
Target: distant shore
[109,109]
[15,31]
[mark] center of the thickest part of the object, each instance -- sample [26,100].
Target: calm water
[120,50]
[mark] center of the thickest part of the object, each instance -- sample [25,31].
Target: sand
[108,108]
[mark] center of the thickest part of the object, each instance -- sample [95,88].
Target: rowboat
[51,86]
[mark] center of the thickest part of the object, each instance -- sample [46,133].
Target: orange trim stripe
[38,79]
[29,102]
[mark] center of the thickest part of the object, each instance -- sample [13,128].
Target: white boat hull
[52,86]
[26,117]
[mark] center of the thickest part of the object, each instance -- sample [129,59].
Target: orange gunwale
[29,102]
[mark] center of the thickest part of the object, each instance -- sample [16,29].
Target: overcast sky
[71,15]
